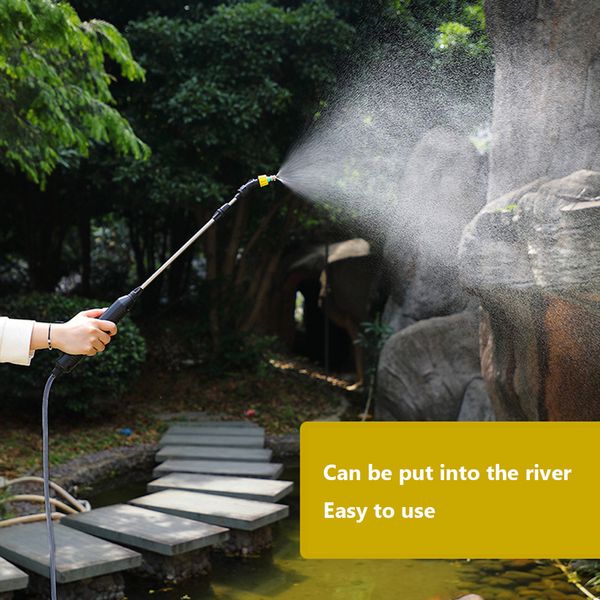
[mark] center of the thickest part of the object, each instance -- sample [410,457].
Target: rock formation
[533,258]
[442,190]
[429,370]
[546,121]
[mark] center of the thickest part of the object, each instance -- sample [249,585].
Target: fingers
[98,345]
[93,313]
[99,340]
[107,326]
[91,333]
[103,337]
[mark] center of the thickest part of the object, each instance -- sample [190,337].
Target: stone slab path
[234,513]
[220,467]
[78,555]
[232,441]
[147,529]
[203,430]
[215,424]
[214,453]
[11,578]
[266,490]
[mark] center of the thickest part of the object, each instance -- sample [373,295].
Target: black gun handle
[115,312]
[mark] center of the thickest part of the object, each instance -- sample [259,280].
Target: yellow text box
[456,490]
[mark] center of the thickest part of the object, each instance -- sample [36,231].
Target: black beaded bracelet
[49,338]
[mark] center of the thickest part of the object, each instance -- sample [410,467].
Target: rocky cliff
[533,258]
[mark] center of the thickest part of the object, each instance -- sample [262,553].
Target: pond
[282,574]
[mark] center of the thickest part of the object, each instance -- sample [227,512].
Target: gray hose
[47,504]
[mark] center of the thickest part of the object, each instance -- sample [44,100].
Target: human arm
[84,334]
[15,335]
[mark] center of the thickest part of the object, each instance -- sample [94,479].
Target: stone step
[220,467]
[236,431]
[265,490]
[147,530]
[215,423]
[236,441]
[234,513]
[214,453]
[11,578]
[78,555]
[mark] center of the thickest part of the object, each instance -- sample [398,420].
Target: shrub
[242,352]
[94,383]
[111,260]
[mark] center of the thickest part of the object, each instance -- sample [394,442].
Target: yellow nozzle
[265,180]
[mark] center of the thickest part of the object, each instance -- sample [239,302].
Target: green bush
[96,382]
[242,352]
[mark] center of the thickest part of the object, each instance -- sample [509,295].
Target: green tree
[55,98]
[230,85]
[227,91]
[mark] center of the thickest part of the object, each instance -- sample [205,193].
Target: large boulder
[430,369]
[533,258]
[430,372]
[442,190]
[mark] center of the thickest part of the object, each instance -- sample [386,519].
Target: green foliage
[98,380]
[228,89]
[5,494]
[508,208]
[475,14]
[229,86]
[590,570]
[242,352]
[55,98]
[110,256]
[452,34]
[466,35]
[225,95]
[447,30]
[372,338]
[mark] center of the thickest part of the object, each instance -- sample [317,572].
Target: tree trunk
[261,296]
[242,270]
[42,226]
[138,253]
[235,238]
[262,285]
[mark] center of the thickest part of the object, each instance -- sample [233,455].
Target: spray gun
[120,307]
[115,312]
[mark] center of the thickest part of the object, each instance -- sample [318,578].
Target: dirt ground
[286,392]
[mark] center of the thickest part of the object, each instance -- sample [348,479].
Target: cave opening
[310,333]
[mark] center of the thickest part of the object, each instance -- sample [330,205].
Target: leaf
[55,91]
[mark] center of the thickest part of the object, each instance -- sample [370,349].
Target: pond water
[282,574]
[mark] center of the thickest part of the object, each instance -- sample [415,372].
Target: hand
[84,334]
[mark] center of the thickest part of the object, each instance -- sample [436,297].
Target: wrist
[57,336]
[39,337]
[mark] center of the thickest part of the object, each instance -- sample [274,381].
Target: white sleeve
[15,340]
